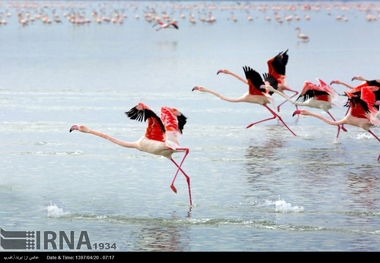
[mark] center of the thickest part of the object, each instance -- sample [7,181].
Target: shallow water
[257,189]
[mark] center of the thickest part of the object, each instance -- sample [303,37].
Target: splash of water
[54,211]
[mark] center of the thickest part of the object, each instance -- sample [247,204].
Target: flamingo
[301,36]
[373,84]
[277,68]
[320,96]
[256,94]
[361,113]
[160,138]
[172,24]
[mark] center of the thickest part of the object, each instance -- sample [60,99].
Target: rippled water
[257,189]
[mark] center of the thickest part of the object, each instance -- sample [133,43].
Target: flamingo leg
[183,172]
[374,135]
[274,116]
[345,115]
[295,93]
[339,126]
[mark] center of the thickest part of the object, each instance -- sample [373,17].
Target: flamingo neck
[289,99]
[221,96]
[328,121]
[238,77]
[114,140]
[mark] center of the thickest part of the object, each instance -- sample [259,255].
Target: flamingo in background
[256,94]
[320,96]
[172,24]
[161,135]
[276,69]
[303,37]
[361,113]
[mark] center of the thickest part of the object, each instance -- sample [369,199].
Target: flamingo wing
[358,107]
[277,64]
[155,129]
[271,80]
[368,96]
[373,83]
[311,90]
[175,25]
[255,82]
[174,122]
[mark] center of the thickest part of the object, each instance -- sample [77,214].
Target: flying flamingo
[361,113]
[301,36]
[256,94]
[172,24]
[161,135]
[320,96]
[277,68]
[373,84]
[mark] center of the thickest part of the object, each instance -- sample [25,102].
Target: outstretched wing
[174,122]
[271,80]
[255,82]
[174,24]
[277,64]
[155,129]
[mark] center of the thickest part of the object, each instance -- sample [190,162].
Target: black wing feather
[280,61]
[310,94]
[182,119]
[272,81]
[143,115]
[254,77]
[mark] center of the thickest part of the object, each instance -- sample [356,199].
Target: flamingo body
[301,36]
[162,25]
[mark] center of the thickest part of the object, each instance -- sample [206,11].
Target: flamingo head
[200,88]
[335,82]
[80,128]
[299,112]
[224,71]
[354,78]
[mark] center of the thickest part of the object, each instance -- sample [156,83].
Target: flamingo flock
[119,12]
[163,132]
[363,101]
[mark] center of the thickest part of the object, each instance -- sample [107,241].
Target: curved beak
[296,112]
[73,128]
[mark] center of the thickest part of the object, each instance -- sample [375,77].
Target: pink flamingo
[256,94]
[172,24]
[362,112]
[161,135]
[320,96]
[277,69]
